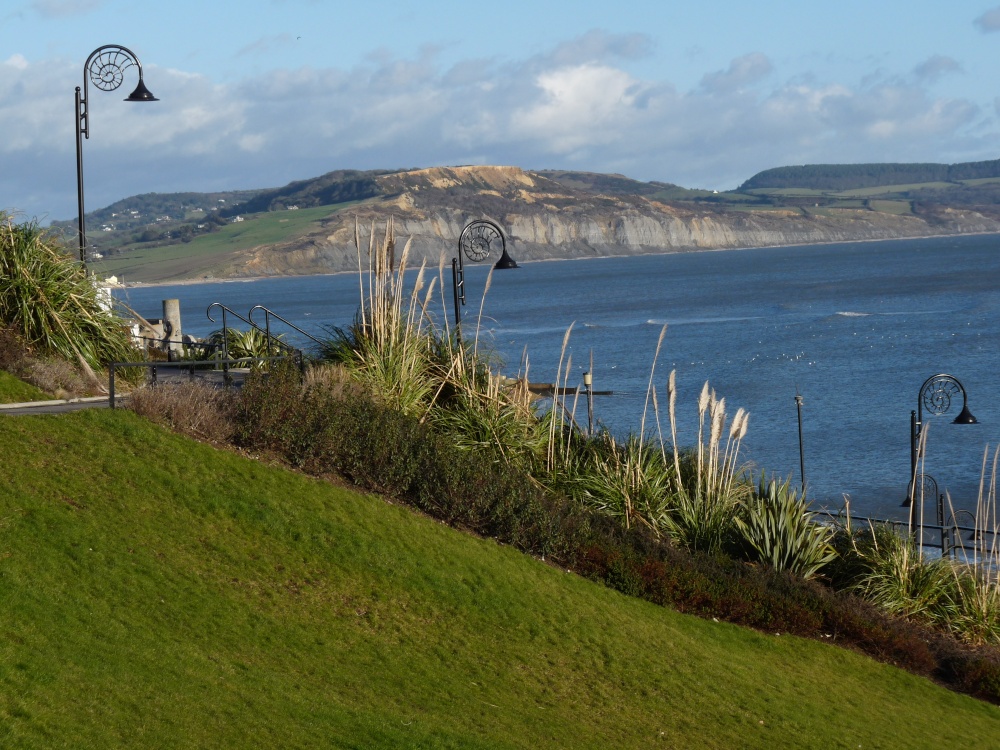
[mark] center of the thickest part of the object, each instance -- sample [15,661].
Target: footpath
[215,378]
[55,406]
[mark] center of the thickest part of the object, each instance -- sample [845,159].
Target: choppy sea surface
[854,328]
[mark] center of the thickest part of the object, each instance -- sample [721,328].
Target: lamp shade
[141,94]
[505,261]
[965,417]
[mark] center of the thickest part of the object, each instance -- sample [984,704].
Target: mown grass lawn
[157,593]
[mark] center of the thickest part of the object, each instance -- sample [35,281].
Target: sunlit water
[854,328]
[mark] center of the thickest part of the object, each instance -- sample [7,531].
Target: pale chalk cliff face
[544,219]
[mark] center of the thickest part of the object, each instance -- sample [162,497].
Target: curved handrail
[225,310]
[292,351]
[225,328]
[268,314]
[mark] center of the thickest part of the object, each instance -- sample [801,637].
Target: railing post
[111,386]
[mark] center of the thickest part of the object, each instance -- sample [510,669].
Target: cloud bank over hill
[576,105]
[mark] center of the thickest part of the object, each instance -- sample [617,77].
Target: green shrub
[50,302]
[710,488]
[903,582]
[250,343]
[269,413]
[776,528]
[630,481]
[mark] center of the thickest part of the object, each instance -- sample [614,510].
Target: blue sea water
[855,328]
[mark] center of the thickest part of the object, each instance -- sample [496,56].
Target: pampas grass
[398,351]
[710,483]
[974,611]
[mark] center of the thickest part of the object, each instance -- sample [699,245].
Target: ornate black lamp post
[106,68]
[476,241]
[936,394]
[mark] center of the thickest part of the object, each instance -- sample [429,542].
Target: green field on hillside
[890,189]
[207,253]
[981,181]
[157,593]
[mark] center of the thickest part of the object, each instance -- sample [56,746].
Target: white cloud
[936,66]
[743,71]
[16,61]
[267,44]
[989,21]
[576,107]
[585,105]
[598,45]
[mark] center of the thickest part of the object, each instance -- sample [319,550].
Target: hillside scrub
[850,176]
[47,299]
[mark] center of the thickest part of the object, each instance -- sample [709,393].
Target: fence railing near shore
[192,367]
[944,536]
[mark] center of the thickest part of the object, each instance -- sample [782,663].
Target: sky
[258,93]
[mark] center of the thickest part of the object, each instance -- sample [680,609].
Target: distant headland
[308,226]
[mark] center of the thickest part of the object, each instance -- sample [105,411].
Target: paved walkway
[56,406]
[164,375]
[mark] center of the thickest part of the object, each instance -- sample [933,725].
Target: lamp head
[141,94]
[965,417]
[505,261]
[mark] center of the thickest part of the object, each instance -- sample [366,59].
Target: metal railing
[293,351]
[944,536]
[268,314]
[192,367]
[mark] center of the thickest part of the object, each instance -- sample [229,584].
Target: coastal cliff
[545,219]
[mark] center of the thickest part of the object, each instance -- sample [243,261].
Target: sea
[853,329]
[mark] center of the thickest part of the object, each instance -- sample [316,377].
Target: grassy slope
[14,390]
[206,254]
[157,593]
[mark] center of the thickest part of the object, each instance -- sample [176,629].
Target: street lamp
[476,241]
[106,67]
[936,394]
[802,453]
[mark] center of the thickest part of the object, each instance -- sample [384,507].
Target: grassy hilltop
[157,592]
[307,225]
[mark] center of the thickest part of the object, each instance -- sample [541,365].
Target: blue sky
[262,92]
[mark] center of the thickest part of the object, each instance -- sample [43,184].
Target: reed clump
[959,593]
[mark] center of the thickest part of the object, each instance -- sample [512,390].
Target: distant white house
[293,208]
[237,219]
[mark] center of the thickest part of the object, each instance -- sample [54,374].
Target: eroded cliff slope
[547,218]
